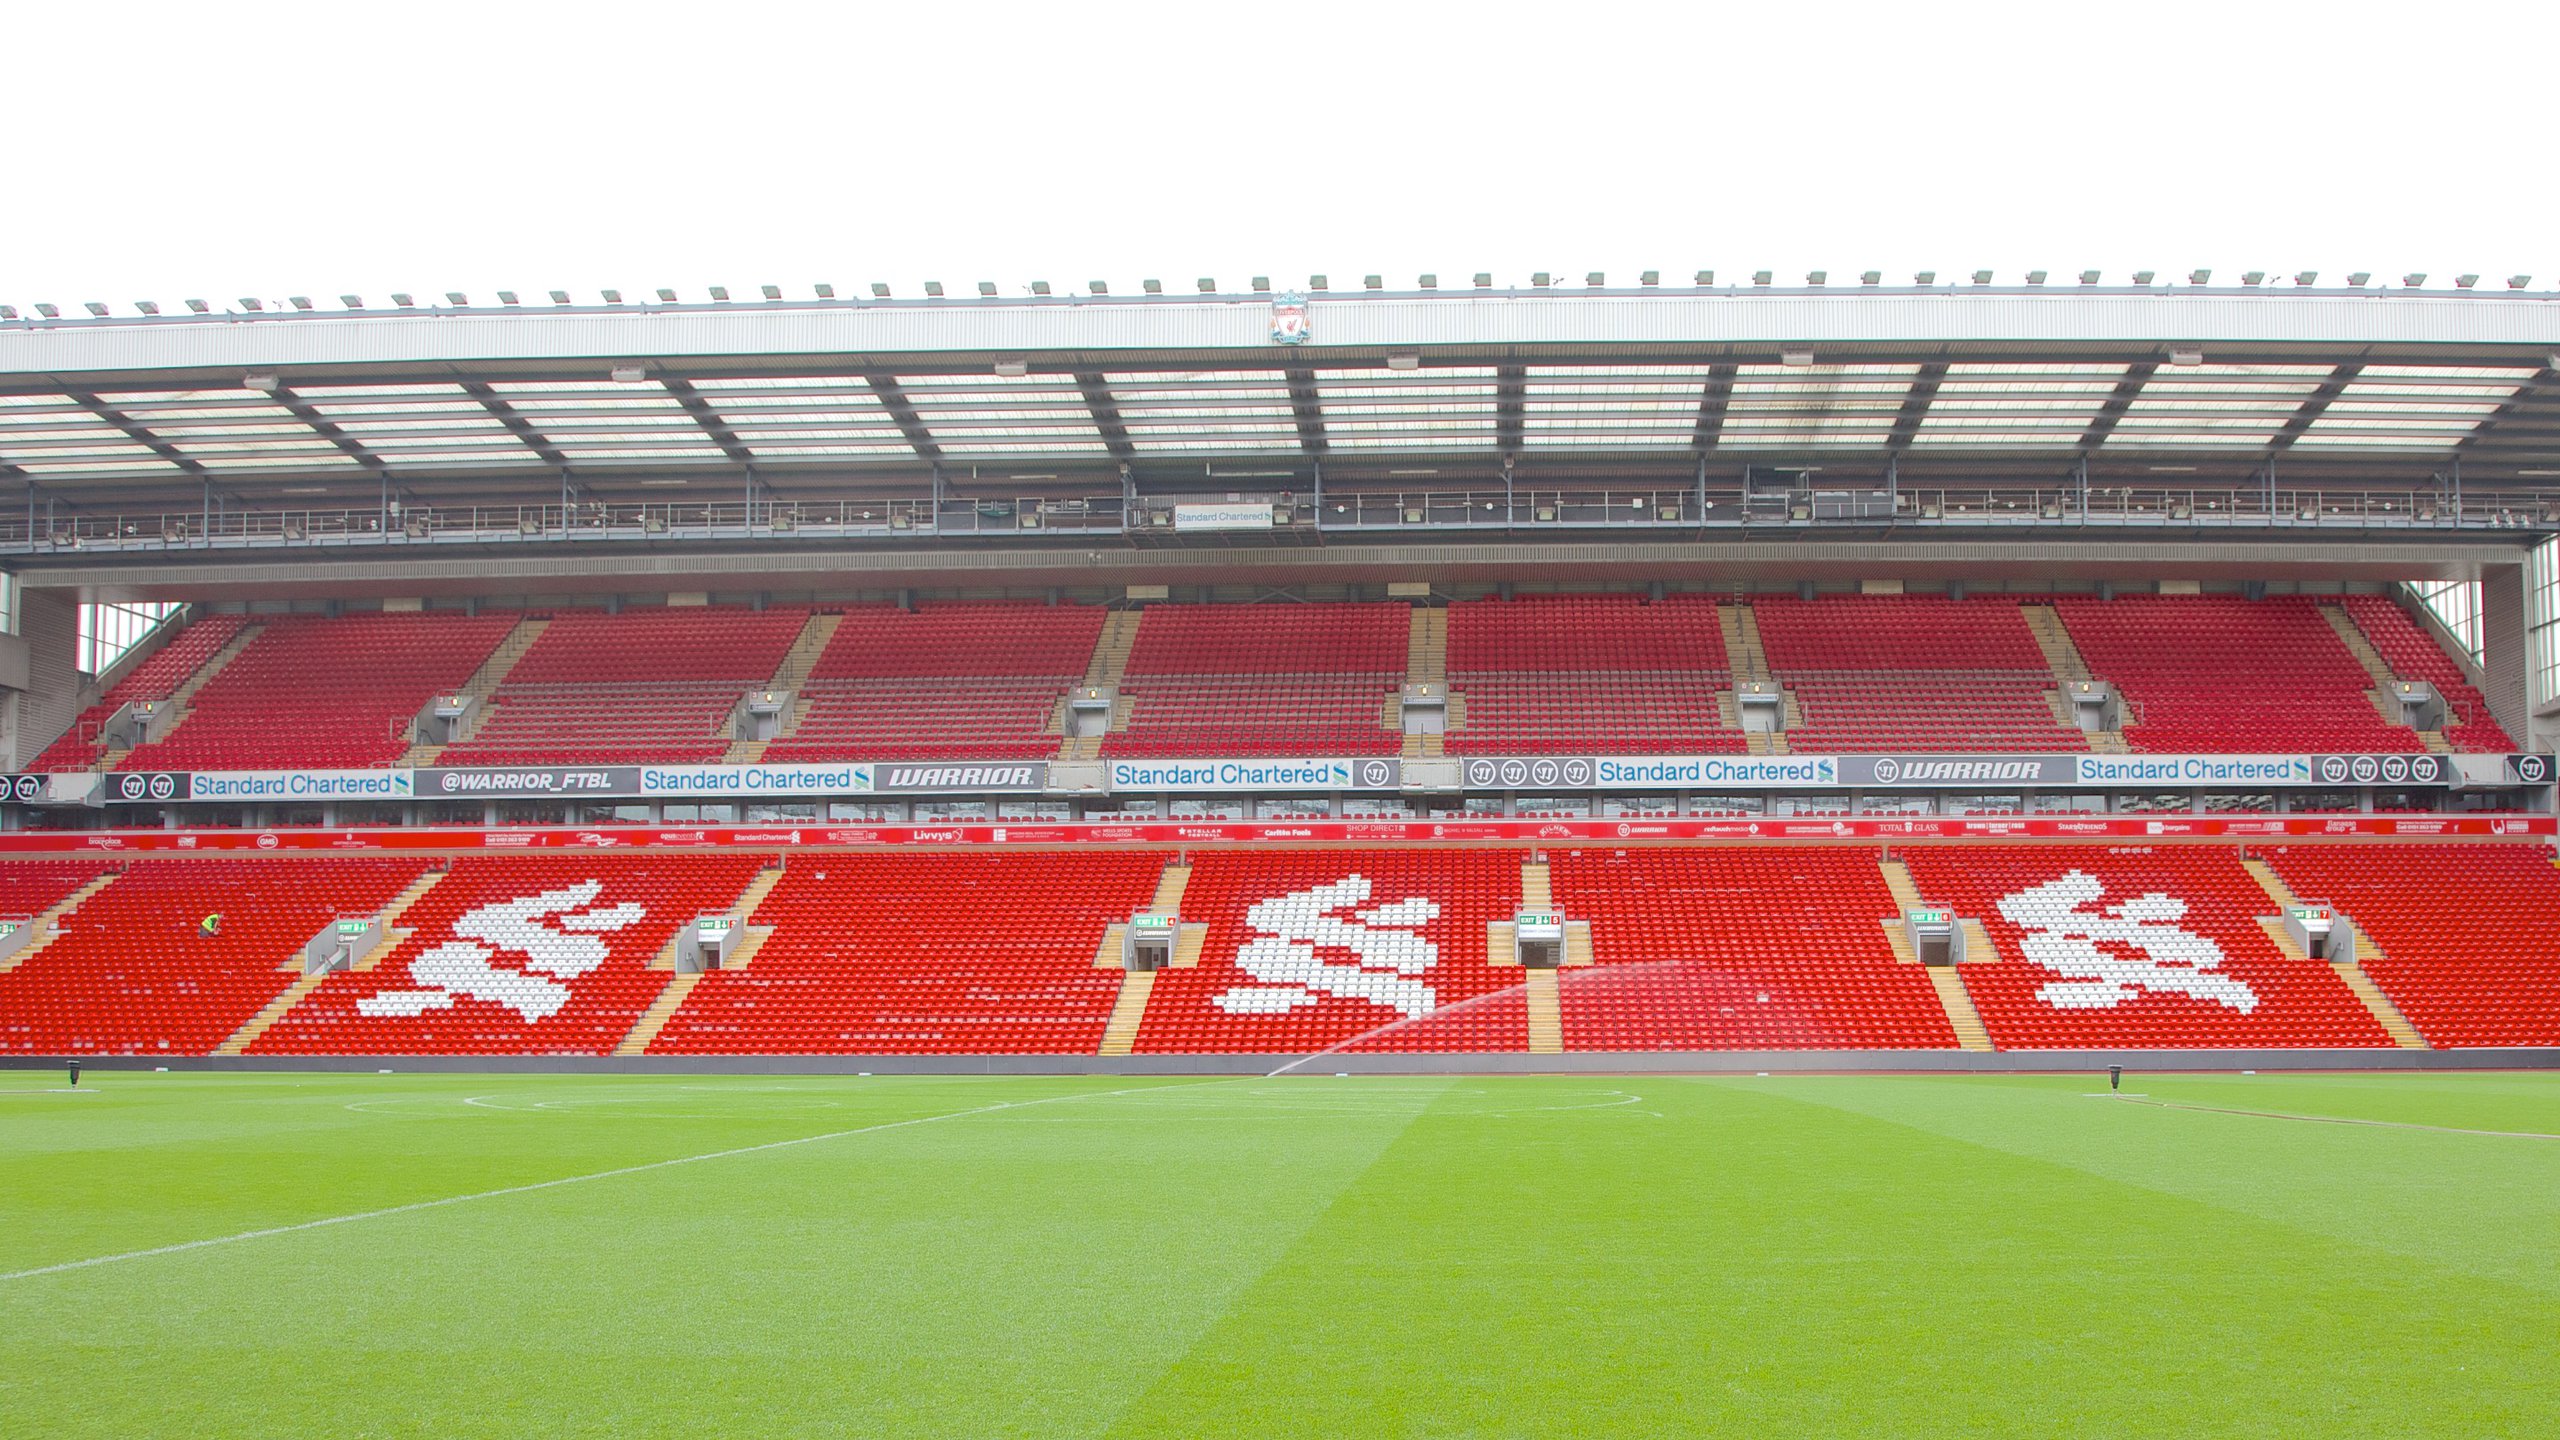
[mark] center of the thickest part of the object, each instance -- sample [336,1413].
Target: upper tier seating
[316,692]
[1378,950]
[1263,680]
[1911,672]
[1615,674]
[956,682]
[2133,947]
[924,954]
[2206,674]
[645,687]
[1739,949]
[2469,935]
[2413,654]
[156,678]
[132,975]
[517,955]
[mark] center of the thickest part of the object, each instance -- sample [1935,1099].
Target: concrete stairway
[1961,1016]
[392,935]
[744,908]
[275,1009]
[484,682]
[174,710]
[1109,664]
[1536,890]
[1742,648]
[1120,1032]
[2350,973]
[660,1011]
[47,926]
[2063,658]
[1546,1013]
[1897,878]
[790,675]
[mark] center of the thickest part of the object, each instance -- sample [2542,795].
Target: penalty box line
[502,1192]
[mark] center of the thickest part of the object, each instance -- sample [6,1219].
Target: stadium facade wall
[35,715]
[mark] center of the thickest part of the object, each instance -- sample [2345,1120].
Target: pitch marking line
[2316,1120]
[418,1205]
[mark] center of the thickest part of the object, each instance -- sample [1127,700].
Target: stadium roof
[1418,388]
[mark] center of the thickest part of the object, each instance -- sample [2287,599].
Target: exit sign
[1150,922]
[349,929]
[1539,919]
[1932,917]
[2309,914]
[719,926]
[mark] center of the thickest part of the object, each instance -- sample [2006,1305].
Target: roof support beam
[505,414]
[328,429]
[893,398]
[1105,409]
[2534,391]
[2313,407]
[90,401]
[2103,424]
[1712,403]
[1510,407]
[1915,406]
[709,419]
[1309,409]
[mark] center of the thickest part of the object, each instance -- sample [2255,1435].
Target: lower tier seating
[1379,950]
[1738,949]
[132,972]
[2133,947]
[517,955]
[923,954]
[2468,935]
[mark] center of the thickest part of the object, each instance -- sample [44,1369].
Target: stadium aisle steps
[275,1010]
[790,677]
[48,926]
[660,1011]
[1961,1016]
[484,682]
[1128,1012]
[1546,1014]
[2413,653]
[392,934]
[1169,888]
[180,701]
[1536,893]
[1897,878]
[2394,1024]
[1978,946]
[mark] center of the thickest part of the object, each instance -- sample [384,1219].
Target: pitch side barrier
[1845,829]
[1773,774]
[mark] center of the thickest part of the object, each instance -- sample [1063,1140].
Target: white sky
[275,149]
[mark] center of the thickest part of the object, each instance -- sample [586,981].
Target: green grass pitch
[412,1255]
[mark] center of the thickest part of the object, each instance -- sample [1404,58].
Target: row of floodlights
[1262,285]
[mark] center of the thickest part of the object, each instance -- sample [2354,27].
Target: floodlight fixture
[2518,282]
[8,312]
[152,307]
[666,296]
[1596,279]
[1817,277]
[2253,277]
[48,310]
[2360,279]
[2414,279]
[94,308]
[266,380]
[559,297]
[1925,278]
[1981,277]
[198,306]
[1314,282]
[1650,277]
[2199,277]
[251,302]
[1760,277]
[987,288]
[2088,277]
[2145,277]
[401,298]
[2465,282]
[2306,278]
[823,290]
[299,302]
[770,292]
[457,299]
[1404,361]
[630,373]
[352,302]
[1039,287]
[1428,282]
[614,297]
[508,297]
[1261,284]
[1870,277]
[1484,279]
[933,289]
[719,293]
[1542,279]
[2186,356]
[1705,279]
[1796,359]
[2035,277]
[1013,369]
[1208,284]
[1152,287]
[879,291]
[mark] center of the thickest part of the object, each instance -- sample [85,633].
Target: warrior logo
[2069,939]
[461,966]
[1381,962]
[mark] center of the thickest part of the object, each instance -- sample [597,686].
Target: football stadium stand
[1313,679]
[1912,672]
[944,682]
[641,687]
[160,676]
[1574,673]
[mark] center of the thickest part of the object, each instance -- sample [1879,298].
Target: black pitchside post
[2115,1077]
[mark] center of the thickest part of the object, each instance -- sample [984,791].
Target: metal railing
[1516,509]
